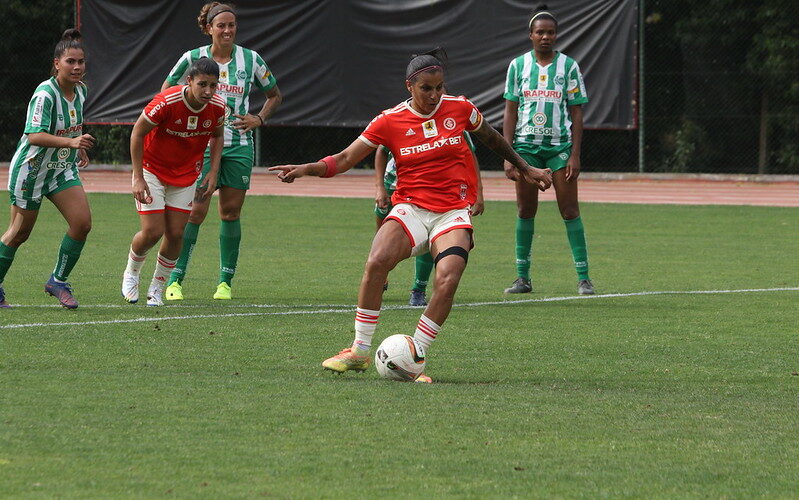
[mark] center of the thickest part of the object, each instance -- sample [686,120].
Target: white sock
[365,325]
[163,268]
[135,263]
[426,331]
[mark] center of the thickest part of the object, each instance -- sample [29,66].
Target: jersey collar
[186,101]
[410,108]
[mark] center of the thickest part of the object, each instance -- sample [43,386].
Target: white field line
[349,308]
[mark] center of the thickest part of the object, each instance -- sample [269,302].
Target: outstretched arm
[491,138]
[327,167]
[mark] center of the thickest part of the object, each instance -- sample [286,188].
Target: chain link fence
[720,93]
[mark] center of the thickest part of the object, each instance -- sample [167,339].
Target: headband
[216,10]
[426,68]
[542,13]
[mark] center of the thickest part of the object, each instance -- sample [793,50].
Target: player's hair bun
[71,34]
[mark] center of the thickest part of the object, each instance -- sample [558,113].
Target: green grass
[644,396]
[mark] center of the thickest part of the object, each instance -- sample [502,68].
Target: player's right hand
[141,191]
[287,173]
[541,177]
[382,199]
[511,172]
[84,141]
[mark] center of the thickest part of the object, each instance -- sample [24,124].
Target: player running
[240,70]
[544,94]
[386,183]
[166,149]
[45,164]
[431,202]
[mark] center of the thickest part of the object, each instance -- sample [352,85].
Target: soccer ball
[400,357]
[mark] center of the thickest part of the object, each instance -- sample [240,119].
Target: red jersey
[434,163]
[173,150]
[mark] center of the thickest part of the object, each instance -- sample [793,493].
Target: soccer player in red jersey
[166,149]
[430,213]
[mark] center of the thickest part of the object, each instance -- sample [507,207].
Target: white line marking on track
[351,308]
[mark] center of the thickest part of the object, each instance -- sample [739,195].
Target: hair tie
[530,24]
[216,11]
[426,68]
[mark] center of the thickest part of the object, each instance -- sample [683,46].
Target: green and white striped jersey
[236,78]
[49,111]
[544,94]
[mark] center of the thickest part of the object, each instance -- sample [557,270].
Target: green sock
[6,258]
[424,266]
[189,240]
[525,228]
[229,240]
[576,234]
[68,255]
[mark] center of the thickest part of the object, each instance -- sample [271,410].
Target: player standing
[430,210]
[166,149]
[45,164]
[386,183]
[239,70]
[544,94]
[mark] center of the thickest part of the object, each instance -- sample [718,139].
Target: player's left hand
[247,122]
[83,158]
[207,186]
[479,206]
[287,173]
[573,168]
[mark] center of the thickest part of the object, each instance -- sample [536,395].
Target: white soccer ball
[400,357]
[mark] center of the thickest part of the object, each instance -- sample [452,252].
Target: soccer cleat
[174,291]
[155,295]
[423,379]
[585,287]
[3,302]
[385,286]
[62,291]
[347,360]
[521,285]
[417,298]
[130,287]
[222,291]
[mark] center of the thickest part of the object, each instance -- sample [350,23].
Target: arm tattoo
[496,143]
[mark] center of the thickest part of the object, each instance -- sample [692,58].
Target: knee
[81,229]
[379,263]
[19,237]
[570,213]
[448,276]
[174,234]
[152,235]
[526,210]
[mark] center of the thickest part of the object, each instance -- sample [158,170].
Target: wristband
[332,167]
[262,120]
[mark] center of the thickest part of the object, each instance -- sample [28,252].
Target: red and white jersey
[173,150]
[434,162]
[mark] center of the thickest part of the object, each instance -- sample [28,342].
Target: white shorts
[166,197]
[423,226]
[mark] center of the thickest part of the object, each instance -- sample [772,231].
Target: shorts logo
[563,156]
[459,219]
[410,132]
[539,119]
[206,123]
[245,179]
[430,129]
[449,123]
[401,211]
[241,74]
[559,80]
[63,153]
[192,123]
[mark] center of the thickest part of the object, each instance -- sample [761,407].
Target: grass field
[662,395]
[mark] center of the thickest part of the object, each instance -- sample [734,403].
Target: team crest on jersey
[559,80]
[178,121]
[192,123]
[539,119]
[206,123]
[449,123]
[241,74]
[410,132]
[63,153]
[429,128]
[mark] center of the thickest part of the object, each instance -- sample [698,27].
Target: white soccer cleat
[130,287]
[155,295]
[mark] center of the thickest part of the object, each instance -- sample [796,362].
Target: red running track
[360,184]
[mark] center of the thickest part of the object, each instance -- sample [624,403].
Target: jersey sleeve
[473,116]
[376,133]
[155,112]
[178,73]
[511,84]
[264,79]
[40,113]
[575,90]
